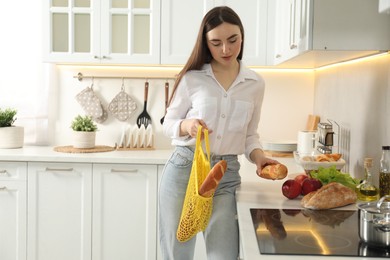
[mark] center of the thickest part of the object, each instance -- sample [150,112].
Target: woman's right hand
[190,127]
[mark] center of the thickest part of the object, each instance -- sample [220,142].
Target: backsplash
[357,96]
[287,102]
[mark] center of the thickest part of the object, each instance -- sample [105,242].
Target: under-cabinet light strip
[174,70]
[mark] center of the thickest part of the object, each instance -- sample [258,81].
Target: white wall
[21,68]
[287,102]
[357,96]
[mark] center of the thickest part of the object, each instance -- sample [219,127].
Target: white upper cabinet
[289,37]
[180,24]
[179,28]
[384,6]
[102,31]
[312,33]
[253,15]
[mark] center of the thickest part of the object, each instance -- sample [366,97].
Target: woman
[216,91]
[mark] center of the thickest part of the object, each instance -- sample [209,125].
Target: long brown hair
[201,53]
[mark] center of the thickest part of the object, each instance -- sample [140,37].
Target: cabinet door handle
[4,188]
[3,172]
[124,171]
[59,169]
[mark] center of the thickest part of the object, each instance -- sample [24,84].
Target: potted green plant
[84,132]
[11,136]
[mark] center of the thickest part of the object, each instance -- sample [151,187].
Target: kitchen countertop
[254,192]
[260,193]
[47,154]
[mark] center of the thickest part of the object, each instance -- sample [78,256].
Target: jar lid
[368,162]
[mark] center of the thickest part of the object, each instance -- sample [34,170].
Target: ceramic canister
[306,142]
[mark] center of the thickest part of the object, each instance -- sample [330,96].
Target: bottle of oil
[367,191]
[384,175]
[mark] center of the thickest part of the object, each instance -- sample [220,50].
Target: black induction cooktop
[311,232]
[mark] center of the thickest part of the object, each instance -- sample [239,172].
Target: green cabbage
[331,174]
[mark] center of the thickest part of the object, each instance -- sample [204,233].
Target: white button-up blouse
[233,115]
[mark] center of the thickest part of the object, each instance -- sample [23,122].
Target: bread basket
[308,162]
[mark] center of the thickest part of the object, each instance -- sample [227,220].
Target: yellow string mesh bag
[196,210]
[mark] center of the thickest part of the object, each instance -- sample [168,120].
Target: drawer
[13,171]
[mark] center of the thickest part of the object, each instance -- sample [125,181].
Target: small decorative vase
[11,137]
[84,139]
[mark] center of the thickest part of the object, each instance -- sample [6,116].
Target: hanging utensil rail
[80,77]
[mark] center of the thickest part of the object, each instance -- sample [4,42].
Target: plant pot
[84,139]
[11,137]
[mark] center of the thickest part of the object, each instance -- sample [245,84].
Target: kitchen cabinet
[59,211]
[289,31]
[124,211]
[384,6]
[253,15]
[13,213]
[179,28]
[102,31]
[313,33]
[177,41]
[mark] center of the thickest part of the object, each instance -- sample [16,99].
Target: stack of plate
[280,146]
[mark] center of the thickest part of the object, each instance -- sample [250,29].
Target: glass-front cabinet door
[72,32]
[102,31]
[131,31]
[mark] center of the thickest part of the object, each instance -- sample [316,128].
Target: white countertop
[260,193]
[254,192]
[47,154]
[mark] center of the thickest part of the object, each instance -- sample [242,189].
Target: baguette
[331,195]
[212,180]
[274,172]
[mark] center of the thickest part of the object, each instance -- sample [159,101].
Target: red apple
[310,185]
[291,189]
[300,178]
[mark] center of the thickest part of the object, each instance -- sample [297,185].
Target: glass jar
[384,174]
[367,191]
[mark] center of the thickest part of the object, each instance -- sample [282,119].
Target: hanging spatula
[144,117]
[166,101]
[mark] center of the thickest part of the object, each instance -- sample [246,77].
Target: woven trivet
[96,149]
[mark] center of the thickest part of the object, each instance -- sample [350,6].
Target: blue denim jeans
[221,236]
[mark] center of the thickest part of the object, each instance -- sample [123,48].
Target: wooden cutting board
[278,154]
[312,123]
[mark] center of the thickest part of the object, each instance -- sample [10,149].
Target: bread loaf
[212,180]
[274,172]
[332,157]
[331,195]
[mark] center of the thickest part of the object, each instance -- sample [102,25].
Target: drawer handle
[59,169]
[3,188]
[3,172]
[124,171]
